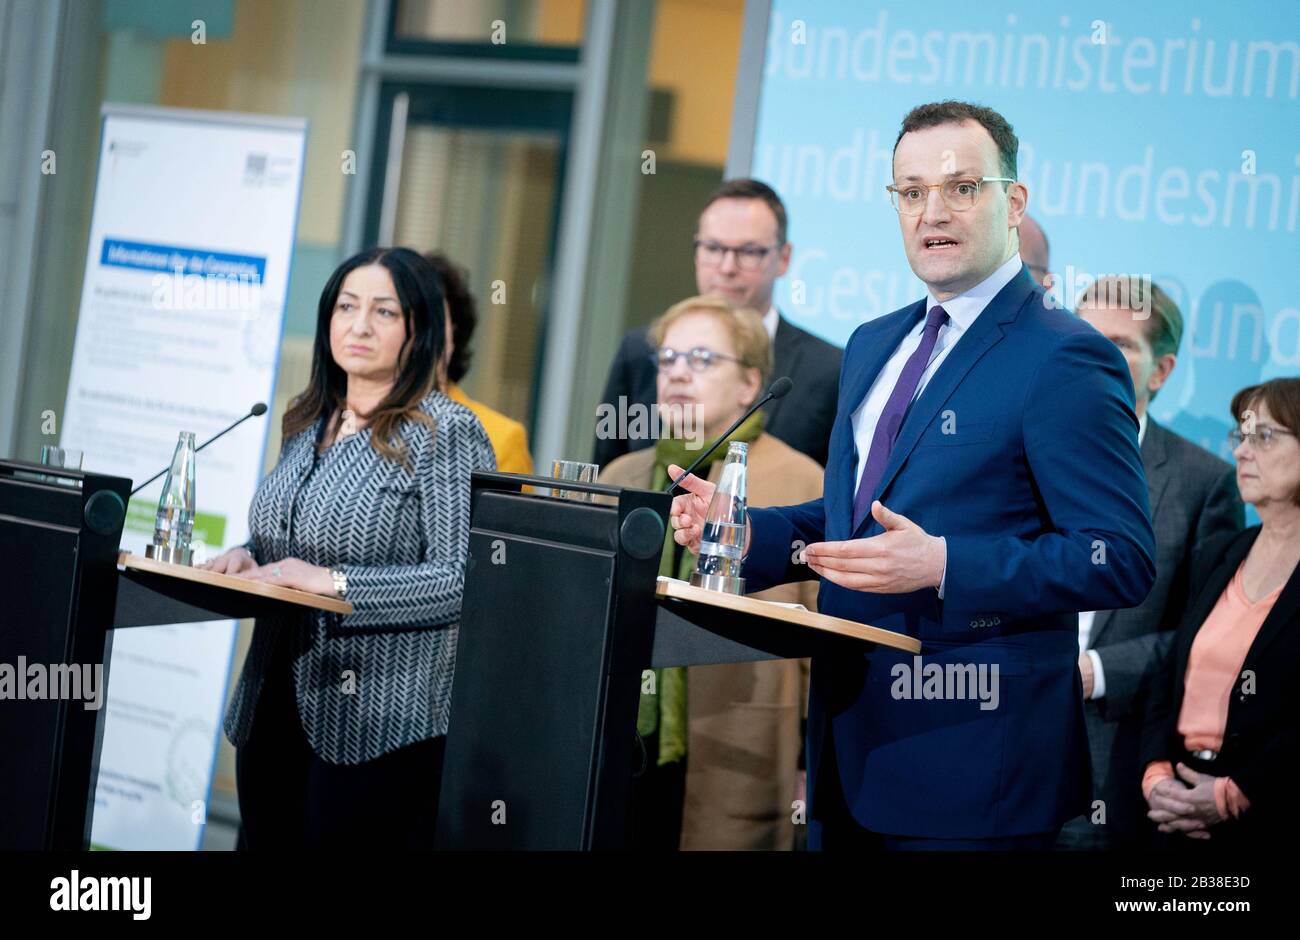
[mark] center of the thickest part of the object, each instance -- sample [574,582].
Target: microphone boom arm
[778,389]
[256,411]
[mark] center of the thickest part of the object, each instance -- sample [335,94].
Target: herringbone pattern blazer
[379,678]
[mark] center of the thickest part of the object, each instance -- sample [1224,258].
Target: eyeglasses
[698,358]
[748,257]
[1262,438]
[957,194]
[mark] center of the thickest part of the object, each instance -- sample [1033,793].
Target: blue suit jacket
[1022,452]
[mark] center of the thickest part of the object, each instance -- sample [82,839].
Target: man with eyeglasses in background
[740,251]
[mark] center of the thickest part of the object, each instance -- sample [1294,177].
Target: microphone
[255,412]
[778,389]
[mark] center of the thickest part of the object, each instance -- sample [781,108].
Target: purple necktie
[891,418]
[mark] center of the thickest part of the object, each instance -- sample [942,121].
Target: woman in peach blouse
[1220,742]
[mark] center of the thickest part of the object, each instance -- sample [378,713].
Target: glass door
[477,173]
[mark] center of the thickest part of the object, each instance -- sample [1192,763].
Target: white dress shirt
[769,322]
[1086,617]
[962,311]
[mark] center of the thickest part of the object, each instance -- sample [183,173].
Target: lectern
[64,593]
[562,613]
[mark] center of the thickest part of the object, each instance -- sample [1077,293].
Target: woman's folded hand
[293,573]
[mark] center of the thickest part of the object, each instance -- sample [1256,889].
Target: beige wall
[294,58]
[547,22]
[695,55]
[561,21]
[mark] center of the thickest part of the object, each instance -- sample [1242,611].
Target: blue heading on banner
[174,259]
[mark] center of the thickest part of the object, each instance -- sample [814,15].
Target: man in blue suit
[984,485]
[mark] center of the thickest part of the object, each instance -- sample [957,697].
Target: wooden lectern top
[232,583]
[684,591]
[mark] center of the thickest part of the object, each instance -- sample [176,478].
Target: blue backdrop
[1160,141]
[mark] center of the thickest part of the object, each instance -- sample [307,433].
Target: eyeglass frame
[697,243]
[1237,437]
[894,192]
[708,363]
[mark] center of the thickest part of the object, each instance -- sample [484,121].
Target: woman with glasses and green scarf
[722,745]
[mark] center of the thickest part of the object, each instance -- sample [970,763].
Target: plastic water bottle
[722,542]
[174,522]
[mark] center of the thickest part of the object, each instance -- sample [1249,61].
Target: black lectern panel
[555,630]
[559,620]
[29,728]
[544,712]
[59,532]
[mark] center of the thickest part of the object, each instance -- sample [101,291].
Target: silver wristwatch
[340,582]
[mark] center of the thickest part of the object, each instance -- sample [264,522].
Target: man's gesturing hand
[688,510]
[901,559]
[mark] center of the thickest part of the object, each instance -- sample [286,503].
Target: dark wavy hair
[463,310]
[936,113]
[749,188]
[419,293]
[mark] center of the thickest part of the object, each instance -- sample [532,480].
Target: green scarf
[667,709]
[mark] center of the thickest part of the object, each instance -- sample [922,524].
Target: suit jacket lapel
[1205,601]
[983,334]
[1154,455]
[787,350]
[858,376]
[1283,614]
[302,449]
[1100,621]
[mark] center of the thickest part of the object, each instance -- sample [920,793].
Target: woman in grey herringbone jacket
[340,721]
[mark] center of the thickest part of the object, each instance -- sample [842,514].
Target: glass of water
[578,472]
[65,457]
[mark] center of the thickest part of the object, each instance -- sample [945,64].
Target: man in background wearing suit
[740,251]
[1193,497]
[983,486]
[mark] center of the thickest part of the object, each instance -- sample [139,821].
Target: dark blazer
[1194,499]
[1260,739]
[1022,452]
[379,678]
[802,419]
